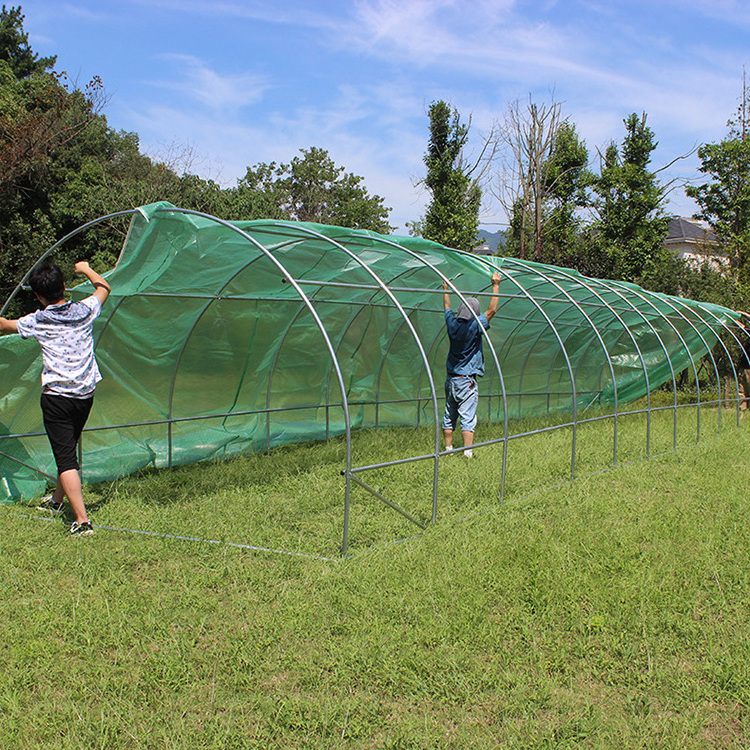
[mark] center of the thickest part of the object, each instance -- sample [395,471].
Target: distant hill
[493,239]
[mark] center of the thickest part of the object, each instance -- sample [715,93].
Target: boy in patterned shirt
[69,374]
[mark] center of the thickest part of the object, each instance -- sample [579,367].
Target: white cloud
[81,12]
[612,60]
[220,93]
[378,132]
[727,11]
[289,13]
[355,77]
[448,33]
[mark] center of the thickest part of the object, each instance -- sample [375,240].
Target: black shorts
[64,419]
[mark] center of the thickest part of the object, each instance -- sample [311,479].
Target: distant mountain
[490,238]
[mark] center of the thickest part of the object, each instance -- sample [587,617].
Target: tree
[40,119]
[452,216]
[39,115]
[566,178]
[528,134]
[14,46]
[675,276]
[61,165]
[725,200]
[309,188]
[257,195]
[542,183]
[631,224]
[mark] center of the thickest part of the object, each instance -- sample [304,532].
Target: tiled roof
[689,230]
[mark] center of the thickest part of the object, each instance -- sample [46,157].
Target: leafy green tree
[309,188]
[107,172]
[631,224]
[675,276]
[452,216]
[39,118]
[258,195]
[725,200]
[61,165]
[14,46]
[566,177]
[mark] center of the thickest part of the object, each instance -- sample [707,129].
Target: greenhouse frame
[225,338]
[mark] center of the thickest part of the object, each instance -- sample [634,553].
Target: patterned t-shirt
[64,333]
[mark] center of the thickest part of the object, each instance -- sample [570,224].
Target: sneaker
[80,529]
[48,503]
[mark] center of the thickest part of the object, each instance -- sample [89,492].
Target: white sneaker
[48,503]
[81,529]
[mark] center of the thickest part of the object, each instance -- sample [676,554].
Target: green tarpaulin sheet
[221,338]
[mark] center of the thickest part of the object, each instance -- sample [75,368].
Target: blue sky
[237,82]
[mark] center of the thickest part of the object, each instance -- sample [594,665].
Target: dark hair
[47,281]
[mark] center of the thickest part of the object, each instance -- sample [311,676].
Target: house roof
[483,250]
[682,230]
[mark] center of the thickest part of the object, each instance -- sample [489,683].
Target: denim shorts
[461,401]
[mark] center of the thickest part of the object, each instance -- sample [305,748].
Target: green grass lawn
[610,612]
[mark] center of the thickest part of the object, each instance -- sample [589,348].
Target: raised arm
[8,326]
[101,287]
[494,299]
[446,297]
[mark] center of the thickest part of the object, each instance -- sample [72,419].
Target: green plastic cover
[223,338]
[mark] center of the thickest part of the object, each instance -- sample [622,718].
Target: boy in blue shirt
[69,373]
[465,363]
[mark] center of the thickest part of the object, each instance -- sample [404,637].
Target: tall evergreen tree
[14,46]
[452,216]
[631,224]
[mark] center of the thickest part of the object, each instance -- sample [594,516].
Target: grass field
[613,611]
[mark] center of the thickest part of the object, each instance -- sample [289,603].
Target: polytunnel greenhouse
[225,338]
